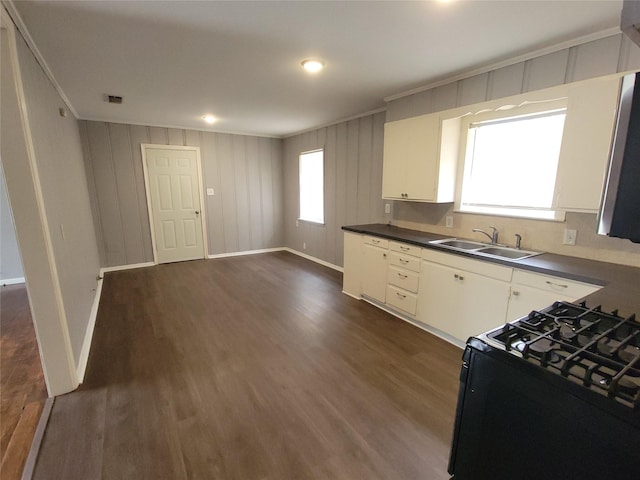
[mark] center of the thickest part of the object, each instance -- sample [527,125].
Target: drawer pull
[402,275]
[401,295]
[402,260]
[406,249]
[458,277]
[515,293]
[373,240]
[556,284]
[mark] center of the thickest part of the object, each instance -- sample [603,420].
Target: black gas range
[553,395]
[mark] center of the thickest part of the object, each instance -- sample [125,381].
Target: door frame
[143,147]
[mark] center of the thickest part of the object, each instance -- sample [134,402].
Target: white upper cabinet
[586,142]
[413,168]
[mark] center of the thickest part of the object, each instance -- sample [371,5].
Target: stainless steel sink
[484,249]
[459,244]
[506,252]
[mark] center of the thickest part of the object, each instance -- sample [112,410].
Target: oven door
[514,421]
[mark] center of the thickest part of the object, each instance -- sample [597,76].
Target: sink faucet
[493,236]
[518,240]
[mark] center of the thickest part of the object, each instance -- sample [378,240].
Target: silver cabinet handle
[400,295]
[556,284]
[406,249]
[402,260]
[401,275]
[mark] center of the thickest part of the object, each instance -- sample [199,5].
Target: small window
[312,186]
[511,164]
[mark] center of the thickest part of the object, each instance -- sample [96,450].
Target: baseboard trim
[352,295]
[245,252]
[314,259]
[32,457]
[117,268]
[12,281]
[433,331]
[88,336]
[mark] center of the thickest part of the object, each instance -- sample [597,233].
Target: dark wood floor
[22,387]
[252,368]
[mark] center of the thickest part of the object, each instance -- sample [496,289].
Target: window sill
[553,216]
[310,222]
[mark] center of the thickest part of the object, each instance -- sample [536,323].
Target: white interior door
[173,192]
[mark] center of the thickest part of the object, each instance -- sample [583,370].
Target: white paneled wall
[245,212]
[593,59]
[353,184]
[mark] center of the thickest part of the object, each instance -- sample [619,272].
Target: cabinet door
[524,299]
[482,305]
[394,167]
[460,303]
[410,162]
[374,272]
[438,296]
[422,158]
[352,264]
[586,140]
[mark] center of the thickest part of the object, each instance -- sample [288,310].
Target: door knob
[197,212]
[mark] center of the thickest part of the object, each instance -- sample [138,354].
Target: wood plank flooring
[252,368]
[22,387]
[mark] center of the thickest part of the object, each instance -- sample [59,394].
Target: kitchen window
[312,186]
[511,161]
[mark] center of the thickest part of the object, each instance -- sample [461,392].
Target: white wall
[245,172]
[353,184]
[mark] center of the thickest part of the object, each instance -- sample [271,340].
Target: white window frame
[316,221]
[504,112]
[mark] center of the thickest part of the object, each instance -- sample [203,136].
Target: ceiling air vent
[112,98]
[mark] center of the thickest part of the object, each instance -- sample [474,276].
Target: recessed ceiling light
[312,66]
[209,119]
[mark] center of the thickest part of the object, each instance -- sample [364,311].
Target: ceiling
[174,61]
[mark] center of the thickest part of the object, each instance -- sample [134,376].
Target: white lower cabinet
[374,272]
[461,302]
[456,295]
[534,291]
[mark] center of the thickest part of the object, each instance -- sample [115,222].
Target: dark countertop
[621,283]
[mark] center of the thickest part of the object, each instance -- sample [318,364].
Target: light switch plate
[210,191]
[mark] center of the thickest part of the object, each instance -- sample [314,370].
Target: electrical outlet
[387,208]
[304,245]
[448,221]
[569,237]
[210,191]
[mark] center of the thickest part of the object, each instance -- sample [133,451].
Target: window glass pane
[312,186]
[513,162]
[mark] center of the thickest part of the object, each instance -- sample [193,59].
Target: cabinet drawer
[404,248]
[376,241]
[403,278]
[401,299]
[405,261]
[485,268]
[560,286]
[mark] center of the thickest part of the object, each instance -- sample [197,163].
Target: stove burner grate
[599,350]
